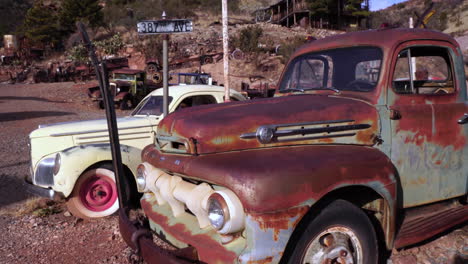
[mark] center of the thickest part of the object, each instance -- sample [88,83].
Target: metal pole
[102,75]
[165,73]
[413,60]
[225,51]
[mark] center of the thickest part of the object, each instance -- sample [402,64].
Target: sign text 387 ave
[165,26]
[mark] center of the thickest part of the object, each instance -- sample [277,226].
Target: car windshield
[125,77]
[152,105]
[352,69]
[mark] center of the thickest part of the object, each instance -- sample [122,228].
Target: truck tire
[95,194]
[341,233]
[151,68]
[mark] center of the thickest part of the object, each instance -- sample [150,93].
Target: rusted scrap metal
[258,90]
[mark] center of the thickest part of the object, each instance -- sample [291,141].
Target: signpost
[165,26]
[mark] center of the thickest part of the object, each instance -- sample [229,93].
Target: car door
[427,97]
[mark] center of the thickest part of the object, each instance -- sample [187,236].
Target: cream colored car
[73,160]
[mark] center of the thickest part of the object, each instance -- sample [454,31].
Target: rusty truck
[128,88]
[363,149]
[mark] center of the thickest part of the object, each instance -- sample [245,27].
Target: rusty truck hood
[295,120]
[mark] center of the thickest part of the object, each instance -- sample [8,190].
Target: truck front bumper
[141,240]
[43,192]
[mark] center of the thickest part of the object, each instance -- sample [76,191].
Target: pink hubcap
[98,193]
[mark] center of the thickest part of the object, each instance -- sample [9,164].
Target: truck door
[426,101]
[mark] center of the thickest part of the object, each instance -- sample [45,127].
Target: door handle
[463,120]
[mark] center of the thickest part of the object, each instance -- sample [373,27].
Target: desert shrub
[248,38]
[111,45]
[77,53]
[288,47]
[401,5]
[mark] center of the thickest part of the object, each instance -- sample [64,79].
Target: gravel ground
[40,231]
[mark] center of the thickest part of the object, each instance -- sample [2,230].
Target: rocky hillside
[451,16]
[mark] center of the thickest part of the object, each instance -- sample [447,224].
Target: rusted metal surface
[147,248]
[218,129]
[426,226]
[128,71]
[183,231]
[295,174]
[282,155]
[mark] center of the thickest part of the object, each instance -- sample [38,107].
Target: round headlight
[141,178]
[265,134]
[57,163]
[218,212]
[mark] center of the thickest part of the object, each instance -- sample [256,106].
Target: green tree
[13,14]
[323,8]
[40,25]
[88,11]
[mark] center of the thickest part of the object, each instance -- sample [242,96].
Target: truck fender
[76,160]
[121,96]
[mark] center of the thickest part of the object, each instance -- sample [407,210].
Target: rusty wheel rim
[334,245]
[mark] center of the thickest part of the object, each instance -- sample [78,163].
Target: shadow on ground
[11,190]
[27,98]
[15,116]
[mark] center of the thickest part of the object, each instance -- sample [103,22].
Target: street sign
[166,26]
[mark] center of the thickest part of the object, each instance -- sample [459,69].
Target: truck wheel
[151,68]
[126,103]
[94,194]
[341,233]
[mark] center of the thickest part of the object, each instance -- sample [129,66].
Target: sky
[380,4]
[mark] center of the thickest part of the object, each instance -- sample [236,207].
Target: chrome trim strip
[93,131]
[120,134]
[318,137]
[254,134]
[107,140]
[305,131]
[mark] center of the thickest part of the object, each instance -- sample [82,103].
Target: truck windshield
[152,105]
[352,69]
[125,77]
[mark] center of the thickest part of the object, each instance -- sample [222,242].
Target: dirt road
[58,237]
[52,235]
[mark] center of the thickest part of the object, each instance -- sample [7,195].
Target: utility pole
[165,72]
[225,50]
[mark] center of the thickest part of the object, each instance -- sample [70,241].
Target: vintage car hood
[89,126]
[294,120]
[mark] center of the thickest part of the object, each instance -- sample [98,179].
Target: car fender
[76,160]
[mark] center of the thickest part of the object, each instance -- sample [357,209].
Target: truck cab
[363,149]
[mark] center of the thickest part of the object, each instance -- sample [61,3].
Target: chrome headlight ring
[225,212]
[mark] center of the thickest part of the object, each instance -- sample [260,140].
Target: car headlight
[57,163]
[141,178]
[218,211]
[118,90]
[225,212]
